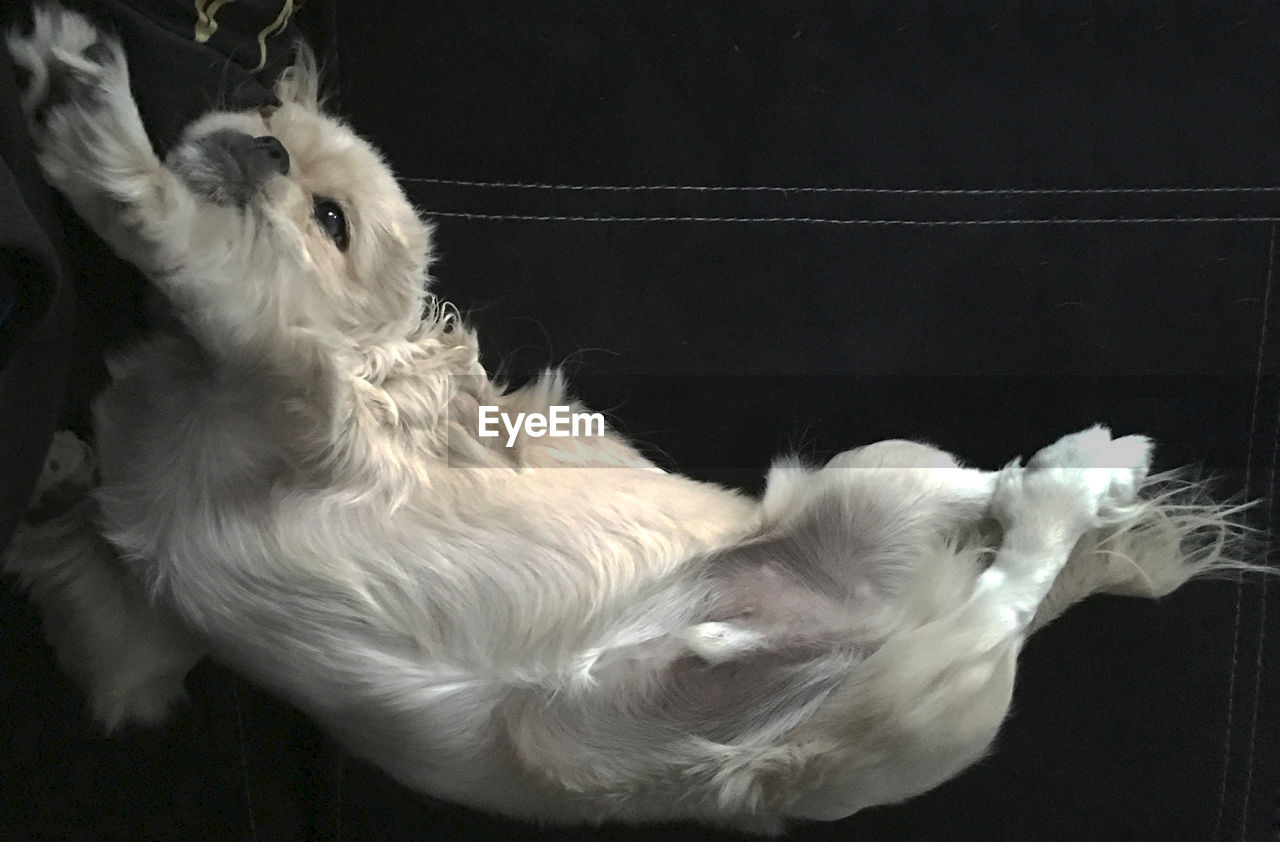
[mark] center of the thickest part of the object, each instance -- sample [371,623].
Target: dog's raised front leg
[93,148]
[91,143]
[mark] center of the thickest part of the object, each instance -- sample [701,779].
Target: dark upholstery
[997,227]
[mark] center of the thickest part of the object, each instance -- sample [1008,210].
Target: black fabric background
[751,229]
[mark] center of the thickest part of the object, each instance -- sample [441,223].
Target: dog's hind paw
[1089,474]
[1112,469]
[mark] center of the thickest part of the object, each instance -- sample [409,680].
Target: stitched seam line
[869,191]
[1248,482]
[244,760]
[818,220]
[1262,608]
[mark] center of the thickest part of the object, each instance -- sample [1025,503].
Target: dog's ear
[300,82]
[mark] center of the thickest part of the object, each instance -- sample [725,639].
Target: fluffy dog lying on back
[547,627]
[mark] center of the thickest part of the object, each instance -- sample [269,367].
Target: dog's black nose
[274,153]
[256,157]
[230,166]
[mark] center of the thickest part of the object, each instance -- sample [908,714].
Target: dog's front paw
[1088,477]
[67,67]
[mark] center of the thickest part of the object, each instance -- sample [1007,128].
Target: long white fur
[556,630]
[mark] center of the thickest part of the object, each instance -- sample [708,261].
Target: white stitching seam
[871,191]
[1262,608]
[1248,481]
[817,220]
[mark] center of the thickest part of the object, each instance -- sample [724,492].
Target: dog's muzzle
[230,167]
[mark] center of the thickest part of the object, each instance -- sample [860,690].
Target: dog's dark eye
[334,222]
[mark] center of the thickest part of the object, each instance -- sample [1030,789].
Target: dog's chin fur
[555,630]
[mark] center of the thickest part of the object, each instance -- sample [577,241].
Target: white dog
[549,627]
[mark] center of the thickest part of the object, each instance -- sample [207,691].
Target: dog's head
[314,211]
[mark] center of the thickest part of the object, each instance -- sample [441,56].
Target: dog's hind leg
[1078,484]
[943,686]
[916,481]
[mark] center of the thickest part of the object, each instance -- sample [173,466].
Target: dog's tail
[1176,532]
